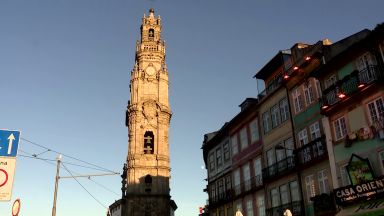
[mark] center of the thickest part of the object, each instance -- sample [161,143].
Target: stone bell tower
[148,116]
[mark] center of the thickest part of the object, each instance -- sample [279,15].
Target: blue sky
[65,71]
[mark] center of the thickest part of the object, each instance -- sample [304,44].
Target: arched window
[149,141]
[151,34]
[148,179]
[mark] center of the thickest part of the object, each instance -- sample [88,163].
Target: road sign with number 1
[9,143]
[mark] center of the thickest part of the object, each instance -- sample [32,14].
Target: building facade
[320,125]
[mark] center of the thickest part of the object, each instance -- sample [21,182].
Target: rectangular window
[257,166]
[274,116]
[271,85]
[288,147]
[234,145]
[330,81]
[254,130]
[310,186]
[340,128]
[267,126]
[376,109]
[315,131]
[284,110]
[226,151]
[303,137]
[212,162]
[270,159]
[218,156]
[239,206]
[364,61]
[344,175]
[221,213]
[213,191]
[318,88]
[278,78]
[228,182]
[229,211]
[243,137]
[323,181]
[249,207]
[309,98]
[247,177]
[283,194]
[274,197]
[297,100]
[279,154]
[261,205]
[237,177]
[294,191]
[221,187]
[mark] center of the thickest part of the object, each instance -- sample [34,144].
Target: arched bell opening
[151,34]
[149,140]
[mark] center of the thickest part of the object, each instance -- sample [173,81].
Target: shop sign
[364,184]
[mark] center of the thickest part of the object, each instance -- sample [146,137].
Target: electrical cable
[47,160]
[65,155]
[85,189]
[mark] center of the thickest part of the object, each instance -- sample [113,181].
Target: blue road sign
[9,143]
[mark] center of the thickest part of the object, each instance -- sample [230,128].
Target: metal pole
[56,185]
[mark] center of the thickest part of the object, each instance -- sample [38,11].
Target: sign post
[9,148]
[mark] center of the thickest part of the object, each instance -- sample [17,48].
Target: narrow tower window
[151,34]
[148,143]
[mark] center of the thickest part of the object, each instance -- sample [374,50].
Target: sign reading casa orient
[9,147]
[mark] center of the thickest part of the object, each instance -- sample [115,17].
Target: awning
[372,208]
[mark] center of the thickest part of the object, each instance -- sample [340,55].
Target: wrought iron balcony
[279,168]
[349,85]
[295,207]
[312,150]
[249,185]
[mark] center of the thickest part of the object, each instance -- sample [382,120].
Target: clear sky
[65,71]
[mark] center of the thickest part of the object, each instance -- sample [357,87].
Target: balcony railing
[280,167]
[239,190]
[349,85]
[251,184]
[312,150]
[276,83]
[295,207]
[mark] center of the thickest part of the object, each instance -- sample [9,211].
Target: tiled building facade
[293,147]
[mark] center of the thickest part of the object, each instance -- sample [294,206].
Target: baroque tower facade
[148,116]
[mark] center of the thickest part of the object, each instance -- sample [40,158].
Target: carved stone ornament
[150,112]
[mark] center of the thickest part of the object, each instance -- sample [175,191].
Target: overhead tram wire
[65,154]
[35,157]
[47,160]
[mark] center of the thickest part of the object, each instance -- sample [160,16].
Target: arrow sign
[11,138]
[9,143]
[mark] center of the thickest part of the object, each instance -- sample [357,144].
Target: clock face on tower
[150,71]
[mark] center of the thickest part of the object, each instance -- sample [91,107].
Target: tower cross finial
[152,3]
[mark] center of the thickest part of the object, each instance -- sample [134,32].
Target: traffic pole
[56,185]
